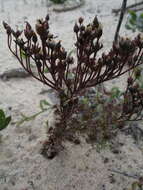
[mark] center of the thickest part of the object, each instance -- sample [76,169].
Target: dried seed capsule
[35,49]
[46,25]
[82,28]
[47,17]
[28,26]
[58,45]
[95,22]
[28,32]
[7,27]
[70,60]
[80,20]
[76,28]
[126,46]
[34,38]
[17,33]
[63,54]
[139,41]
[50,36]
[130,80]
[20,43]
[51,45]
[40,28]
[88,29]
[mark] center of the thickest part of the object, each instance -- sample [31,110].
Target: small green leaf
[85,101]
[4,121]
[115,92]
[44,103]
[141,15]
[2,115]
[129,27]
[22,53]
[132,22]
[46,70]
[133,14]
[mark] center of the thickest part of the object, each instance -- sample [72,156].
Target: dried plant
[69,76]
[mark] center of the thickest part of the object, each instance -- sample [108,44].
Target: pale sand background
[78,167]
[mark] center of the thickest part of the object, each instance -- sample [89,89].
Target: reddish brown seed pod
[80,20]
[76,28]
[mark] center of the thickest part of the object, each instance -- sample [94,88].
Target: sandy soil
[78,167]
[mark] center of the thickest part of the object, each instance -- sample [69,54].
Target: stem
[123,8]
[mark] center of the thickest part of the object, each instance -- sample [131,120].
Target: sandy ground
[78,167]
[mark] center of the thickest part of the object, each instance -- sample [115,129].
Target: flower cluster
[41,48]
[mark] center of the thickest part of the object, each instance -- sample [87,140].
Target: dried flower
[87,69]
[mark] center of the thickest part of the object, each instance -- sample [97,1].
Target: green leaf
[4,121]
[44,103]
[22,53]
[2,115]
[141,16]
[70,75]
[85,101]
[46,70]
[132,22]
[115,92]
[135,21]
[133,14]
[129,27]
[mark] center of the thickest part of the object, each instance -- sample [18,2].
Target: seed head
[80,20]
[95,22]
[76,28]
[130,80]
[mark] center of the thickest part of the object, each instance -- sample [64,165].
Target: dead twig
[116,11]
[125,174]
[124,3]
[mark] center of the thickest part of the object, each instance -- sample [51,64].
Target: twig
[139,9]
[26,118]
[125,174]
[123,8]
[128,7]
